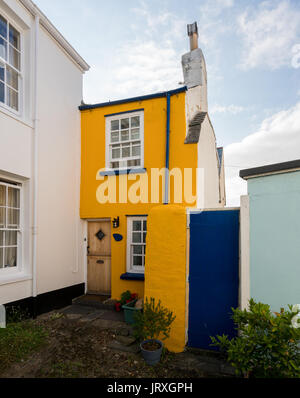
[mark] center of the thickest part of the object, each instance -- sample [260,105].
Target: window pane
[136,237]
[133,163]
[137,249]
[135,134]
[12,78]
[125,124]
[13,218]
[3,27]
[14,57]
[12,99]
[3,48]
[138,261]
[114,125]
[2,217]
[2,195]
[1,258]
[2,93]
[135,121]
[136,150]
[125,135]
[2,72]
[145,225]
[13,197]
[125,151]
[115,152]
[11,238]
[10,257]
[1,238]
[137,225]
[115,136]
[14,37]
[114,165]
[144,237]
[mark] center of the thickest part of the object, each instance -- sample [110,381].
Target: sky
[252,52]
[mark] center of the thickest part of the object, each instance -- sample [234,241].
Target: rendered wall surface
[275,239]
[165,275]
[93,159]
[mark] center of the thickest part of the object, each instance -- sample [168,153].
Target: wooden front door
[99,257]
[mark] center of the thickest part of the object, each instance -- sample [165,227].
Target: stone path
[104,317]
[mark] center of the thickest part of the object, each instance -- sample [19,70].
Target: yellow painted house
[138,153]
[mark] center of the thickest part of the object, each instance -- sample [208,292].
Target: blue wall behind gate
[214,275]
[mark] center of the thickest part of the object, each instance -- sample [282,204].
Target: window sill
[122,172]
[14,278]
[14,115]
[130,276]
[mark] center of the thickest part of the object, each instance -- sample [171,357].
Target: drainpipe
[166,200]
[35,166]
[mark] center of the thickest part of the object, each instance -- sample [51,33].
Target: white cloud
[151,63]
[232,109]
[277,140]
[269,34]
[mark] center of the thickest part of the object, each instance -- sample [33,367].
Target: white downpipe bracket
[35,157]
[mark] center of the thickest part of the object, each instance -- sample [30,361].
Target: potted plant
[126,298]
[152,323]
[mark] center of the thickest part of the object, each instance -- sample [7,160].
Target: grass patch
[19,340]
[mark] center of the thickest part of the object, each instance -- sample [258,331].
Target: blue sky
[252,51]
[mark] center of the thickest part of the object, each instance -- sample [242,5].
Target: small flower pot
[151,357]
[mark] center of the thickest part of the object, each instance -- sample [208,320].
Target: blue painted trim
[122,172]
[118,237]
[134,99]
[123,113]
[166,201]
[128,276]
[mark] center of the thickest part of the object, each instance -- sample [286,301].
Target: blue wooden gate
[214,275]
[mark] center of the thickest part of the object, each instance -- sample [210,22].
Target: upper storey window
[10,65]
[124,140]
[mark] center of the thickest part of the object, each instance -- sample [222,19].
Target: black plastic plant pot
[152,357]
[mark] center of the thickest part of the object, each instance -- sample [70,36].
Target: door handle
[88,250]
[100,262]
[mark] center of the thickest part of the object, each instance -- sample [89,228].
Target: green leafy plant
[153,322]
[267,345]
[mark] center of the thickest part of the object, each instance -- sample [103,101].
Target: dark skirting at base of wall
[47,302]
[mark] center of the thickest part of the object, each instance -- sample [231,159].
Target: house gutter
[35,165]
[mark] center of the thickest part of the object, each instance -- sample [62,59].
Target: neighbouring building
[124,143]
[270,270]
[41,234]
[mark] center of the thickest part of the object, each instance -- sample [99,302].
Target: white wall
[208,160]
[60,93]
[60,253]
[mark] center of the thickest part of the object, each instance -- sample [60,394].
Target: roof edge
[134,99]
[270,169]
[45,22]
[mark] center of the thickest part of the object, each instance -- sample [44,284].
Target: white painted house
[41,236]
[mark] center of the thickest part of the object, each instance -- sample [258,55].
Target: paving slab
[92,316]
[134,348]
[77,309]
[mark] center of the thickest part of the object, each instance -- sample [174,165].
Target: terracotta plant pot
[151,357]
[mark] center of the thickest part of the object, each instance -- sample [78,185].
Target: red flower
[128,301]
[118,306]
[134,296]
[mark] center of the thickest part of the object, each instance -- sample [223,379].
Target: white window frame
[4,62]
[19,230]
[130,267]
[108,142]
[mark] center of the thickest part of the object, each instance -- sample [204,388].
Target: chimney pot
[192,30]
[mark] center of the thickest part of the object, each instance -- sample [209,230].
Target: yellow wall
[93,159]
[165,273]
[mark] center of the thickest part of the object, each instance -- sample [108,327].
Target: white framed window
[10,226]
[125,141]
[136,244]
[10,65]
